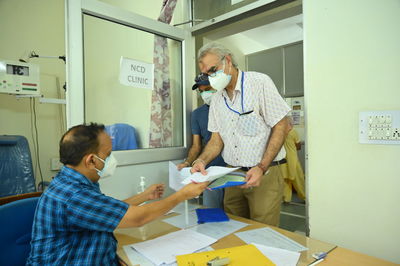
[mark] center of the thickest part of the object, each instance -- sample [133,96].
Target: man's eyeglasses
[212,72]
[201,78]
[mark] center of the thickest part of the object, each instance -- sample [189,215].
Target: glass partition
[150,106]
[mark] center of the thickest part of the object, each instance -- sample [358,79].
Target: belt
[273,163]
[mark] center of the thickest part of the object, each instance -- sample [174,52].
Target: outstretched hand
[155,191]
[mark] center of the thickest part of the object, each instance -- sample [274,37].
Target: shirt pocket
[249,125]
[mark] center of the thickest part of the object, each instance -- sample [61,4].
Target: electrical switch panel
[379,127]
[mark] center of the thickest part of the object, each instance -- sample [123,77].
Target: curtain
[161,114]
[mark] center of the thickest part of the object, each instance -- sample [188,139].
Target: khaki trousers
[263,203]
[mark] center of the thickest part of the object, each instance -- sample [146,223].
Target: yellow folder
[238,256]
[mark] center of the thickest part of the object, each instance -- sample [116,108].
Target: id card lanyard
[227,105]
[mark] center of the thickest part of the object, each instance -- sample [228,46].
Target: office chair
[15,230]
[123,136]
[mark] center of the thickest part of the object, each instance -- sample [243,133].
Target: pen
[316,262]
[246,113]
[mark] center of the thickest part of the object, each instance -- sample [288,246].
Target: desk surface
[336,256]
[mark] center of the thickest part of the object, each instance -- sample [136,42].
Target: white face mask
[207,96]
[220,80]
[110,163]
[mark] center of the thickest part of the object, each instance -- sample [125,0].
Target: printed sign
[136,73]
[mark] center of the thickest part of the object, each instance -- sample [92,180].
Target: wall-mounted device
[19,78]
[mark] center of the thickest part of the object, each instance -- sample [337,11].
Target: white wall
[39,26]
[352,63]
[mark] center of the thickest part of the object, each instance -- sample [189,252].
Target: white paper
[164,248]
[281,257]
[176,177]
[220,229]
[180,220]
[138,259]
[136,73]
[271,238]
[213,172]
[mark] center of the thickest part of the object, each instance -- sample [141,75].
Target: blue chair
[16,171]
[123,136]
[15,231]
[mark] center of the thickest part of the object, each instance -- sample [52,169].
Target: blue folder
[211,215]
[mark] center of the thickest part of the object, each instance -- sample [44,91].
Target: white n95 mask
[207,96]
[219,80]
[110,163]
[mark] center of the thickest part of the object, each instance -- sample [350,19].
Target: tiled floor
[293,215]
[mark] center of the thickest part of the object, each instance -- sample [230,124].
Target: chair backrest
[16,171]
[15,230]
[123,136]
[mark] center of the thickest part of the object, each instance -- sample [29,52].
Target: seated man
[74,221]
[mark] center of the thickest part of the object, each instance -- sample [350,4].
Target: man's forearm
[278,136]
[193,154]
[136,199]
[212,150]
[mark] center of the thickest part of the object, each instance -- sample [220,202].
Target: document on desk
[220,229]
[163,249]
[271,238]
[213,172]
[180,220]
[138,259]
[281,257]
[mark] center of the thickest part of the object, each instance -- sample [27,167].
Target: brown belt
[273,163]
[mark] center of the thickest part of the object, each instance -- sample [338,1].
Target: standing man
[74,221]
[249,125]
[201,136]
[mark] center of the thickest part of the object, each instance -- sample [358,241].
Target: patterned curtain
[161,117]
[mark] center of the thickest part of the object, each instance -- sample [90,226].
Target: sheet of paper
[270,238]
[176,177]
[138,259]
[281,257]
[213,172]
[180,220]
[164,248]
[218,230]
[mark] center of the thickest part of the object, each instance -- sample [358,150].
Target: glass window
[208,9]
[155,114]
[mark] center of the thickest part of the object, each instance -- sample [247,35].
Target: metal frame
[75,109]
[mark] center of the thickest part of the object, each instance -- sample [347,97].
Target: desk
[336,256]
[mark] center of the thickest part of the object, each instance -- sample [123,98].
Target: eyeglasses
[212,72]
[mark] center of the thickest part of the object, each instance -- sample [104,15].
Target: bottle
[141,188]
[142,185]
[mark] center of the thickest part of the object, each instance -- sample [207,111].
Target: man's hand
[199,166]
[182,165]
[192,190]
[154,191]
[253,177]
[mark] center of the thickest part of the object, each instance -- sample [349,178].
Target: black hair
[79,141]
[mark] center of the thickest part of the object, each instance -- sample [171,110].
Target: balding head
[79,141]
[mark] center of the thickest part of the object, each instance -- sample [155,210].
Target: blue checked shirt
[74,223]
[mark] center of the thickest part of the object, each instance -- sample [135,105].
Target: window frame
[75,102]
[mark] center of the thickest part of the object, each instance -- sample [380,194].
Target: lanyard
[226,103]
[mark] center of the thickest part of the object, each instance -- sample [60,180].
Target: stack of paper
[164,248]
[213,172]
[271,238]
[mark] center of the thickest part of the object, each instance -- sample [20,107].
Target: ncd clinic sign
[136,73]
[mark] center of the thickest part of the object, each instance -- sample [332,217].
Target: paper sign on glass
[136,73]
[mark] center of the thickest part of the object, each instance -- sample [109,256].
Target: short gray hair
[217,49]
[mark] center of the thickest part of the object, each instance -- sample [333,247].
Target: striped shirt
[74,223]
[246,136]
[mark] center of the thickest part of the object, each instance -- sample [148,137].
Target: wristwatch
[262,167]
